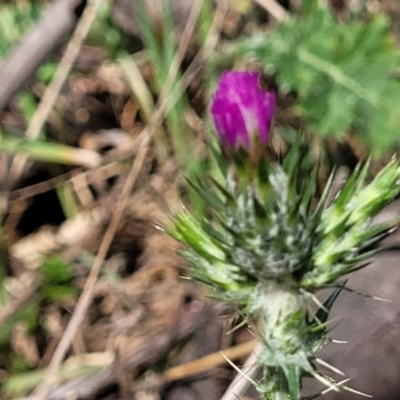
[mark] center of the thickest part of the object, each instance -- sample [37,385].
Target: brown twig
[64,67]
[208,362]
[87,294]
[105,172]
[240,384]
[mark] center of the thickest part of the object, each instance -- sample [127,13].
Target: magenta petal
[265,114]
[229,123]
[241,109]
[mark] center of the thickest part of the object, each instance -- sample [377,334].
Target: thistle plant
[271,237]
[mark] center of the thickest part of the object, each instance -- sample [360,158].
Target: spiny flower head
[242,111]
[269,246]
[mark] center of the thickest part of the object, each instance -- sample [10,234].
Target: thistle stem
[275,379]
[281,329]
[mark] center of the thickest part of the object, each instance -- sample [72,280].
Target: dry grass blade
[138,87]
[144,97]
[105,172]
[145,138]
[71,52]
[87,294]
[239,385]
[208,362]
[53,90]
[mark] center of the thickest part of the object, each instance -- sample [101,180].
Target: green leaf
[49,152]
[343,76]
[54,293]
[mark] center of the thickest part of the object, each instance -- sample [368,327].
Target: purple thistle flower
[241,110]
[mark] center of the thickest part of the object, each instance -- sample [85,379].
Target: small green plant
[57,279]
[55,283]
